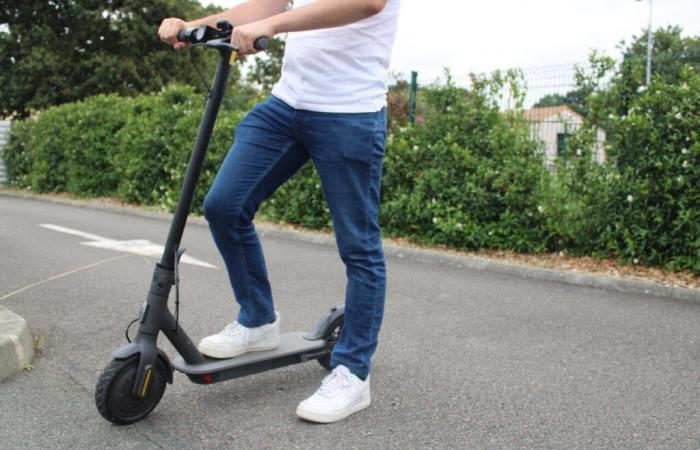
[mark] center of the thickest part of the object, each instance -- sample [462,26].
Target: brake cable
[207,87]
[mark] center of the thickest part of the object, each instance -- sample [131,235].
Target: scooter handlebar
[262,43]
[185,35]
[203,34]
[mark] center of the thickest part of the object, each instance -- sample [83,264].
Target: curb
[584,279]
[16,349]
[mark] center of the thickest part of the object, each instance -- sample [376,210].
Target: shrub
[156,142]
[466,177]
[67,148]
[18,153]
[134,148]
[644,205]
[470,177]
[655,201]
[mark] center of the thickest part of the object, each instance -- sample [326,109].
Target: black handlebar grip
[261,43]
[184,35]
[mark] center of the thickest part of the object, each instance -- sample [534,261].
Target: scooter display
[133,383]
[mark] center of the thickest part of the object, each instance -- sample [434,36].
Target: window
[563,145]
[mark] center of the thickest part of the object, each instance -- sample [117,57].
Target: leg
[348,150]
[264,155]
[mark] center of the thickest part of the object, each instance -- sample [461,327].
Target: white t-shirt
[342,69]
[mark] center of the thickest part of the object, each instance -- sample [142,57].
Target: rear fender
[322,327]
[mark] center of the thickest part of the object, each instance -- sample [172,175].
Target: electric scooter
[133,383]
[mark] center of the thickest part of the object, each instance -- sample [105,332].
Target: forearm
[250,11]
[324,14]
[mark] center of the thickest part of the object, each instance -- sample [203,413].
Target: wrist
[192,23]
[274,24]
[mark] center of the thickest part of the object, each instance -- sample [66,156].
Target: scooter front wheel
[113,393]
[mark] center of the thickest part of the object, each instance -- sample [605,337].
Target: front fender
[133,348]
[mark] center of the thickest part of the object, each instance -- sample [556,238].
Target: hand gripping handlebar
[216,37]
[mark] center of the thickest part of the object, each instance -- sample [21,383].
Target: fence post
[4,139]
[412,97]
[626,77]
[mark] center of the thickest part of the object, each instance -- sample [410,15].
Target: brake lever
[219,44]
[222,44]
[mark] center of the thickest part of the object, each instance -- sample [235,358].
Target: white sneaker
[235,339]
[341,394]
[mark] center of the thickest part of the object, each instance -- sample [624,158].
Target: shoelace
[333,383]
[232,329]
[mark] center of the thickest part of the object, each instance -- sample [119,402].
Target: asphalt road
[467,358]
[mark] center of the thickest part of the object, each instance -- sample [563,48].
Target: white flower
[436,220]
[540,208]
[459,226]
[679,116]
[684,151]
[612,116]
[449,108]
[415,147]
[685,164]
[432,201]
[641,89]
[679,178]
[491,233]
[630,198]
[635,260]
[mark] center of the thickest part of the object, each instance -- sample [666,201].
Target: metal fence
[553,106]
[555,109]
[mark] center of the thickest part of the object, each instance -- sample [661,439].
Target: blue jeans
[272,142]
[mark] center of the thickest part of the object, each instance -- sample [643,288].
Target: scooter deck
[293,349]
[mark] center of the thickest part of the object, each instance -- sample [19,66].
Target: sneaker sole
[214,352]
[332,417]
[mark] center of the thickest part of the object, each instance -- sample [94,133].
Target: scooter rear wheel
[333,333]
[113,394]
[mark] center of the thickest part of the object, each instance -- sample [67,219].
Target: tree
[267,68]
[671,51]
[575,99]
[57,51]
[673,54]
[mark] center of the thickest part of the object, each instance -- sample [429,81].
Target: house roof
[541,114]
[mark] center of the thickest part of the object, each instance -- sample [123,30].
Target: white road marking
[137,246]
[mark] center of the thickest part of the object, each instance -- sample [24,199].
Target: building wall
[546,130]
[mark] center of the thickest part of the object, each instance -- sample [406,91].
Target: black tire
[333,333]
[113,395]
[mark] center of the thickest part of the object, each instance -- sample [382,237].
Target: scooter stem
[155,316]
[199,152]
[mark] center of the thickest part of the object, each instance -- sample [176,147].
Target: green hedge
[642,207]
[134,148]
[466,178]
[653,203]
[469,177]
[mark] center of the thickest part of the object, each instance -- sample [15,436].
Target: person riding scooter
[328,106]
